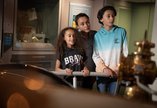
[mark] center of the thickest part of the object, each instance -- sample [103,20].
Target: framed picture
[75,9]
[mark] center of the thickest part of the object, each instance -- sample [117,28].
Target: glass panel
[36,23]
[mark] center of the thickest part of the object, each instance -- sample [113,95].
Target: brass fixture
[139,70]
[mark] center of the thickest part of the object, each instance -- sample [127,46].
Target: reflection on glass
[36,21]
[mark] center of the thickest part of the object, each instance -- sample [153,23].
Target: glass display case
[36,24]
[35,32]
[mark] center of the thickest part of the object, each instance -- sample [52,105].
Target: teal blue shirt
[109,46]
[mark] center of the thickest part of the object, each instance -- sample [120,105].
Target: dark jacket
[87,44]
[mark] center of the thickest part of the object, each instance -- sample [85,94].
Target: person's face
[83,24]
[108,18]
[69,38]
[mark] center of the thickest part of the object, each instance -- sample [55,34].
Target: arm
[58,65]
[125,46]
[100,65]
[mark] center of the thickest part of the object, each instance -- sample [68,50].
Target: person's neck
[85,33]
[69,46]
[108,28]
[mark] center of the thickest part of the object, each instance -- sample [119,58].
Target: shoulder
[119,28]
[100,32]
[92,33]
[121,32]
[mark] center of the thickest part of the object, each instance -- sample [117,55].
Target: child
[70,56]
[110,43]
[86,38]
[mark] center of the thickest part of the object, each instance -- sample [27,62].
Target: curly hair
[61,44]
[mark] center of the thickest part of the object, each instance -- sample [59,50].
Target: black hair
[61,44]
[102,11]
[80,15]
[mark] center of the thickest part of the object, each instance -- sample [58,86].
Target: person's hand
[109,72]
[85,71]
[100,66]
[68,71]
